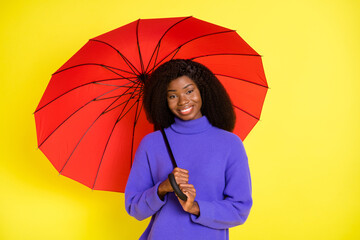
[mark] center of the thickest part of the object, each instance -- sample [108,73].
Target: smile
[186,110]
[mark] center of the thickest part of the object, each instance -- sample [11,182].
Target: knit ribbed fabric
[218,169]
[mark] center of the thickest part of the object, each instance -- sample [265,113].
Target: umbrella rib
[246,112]
[126,112]
[72,115]
[94,82]
[120,95]
[157,48]
[138,46]
[241,79]
[225,54]
[130,98]
[87,130]
[91,64]
[119,74]
[130,65]
[174,52]
[133,133]
[108,140]
[122,77]
[104,84]
[178,48]
[137,116]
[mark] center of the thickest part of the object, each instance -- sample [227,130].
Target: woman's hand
[189,205]
[181,176]
[182,179]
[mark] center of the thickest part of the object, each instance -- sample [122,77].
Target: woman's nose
[183,100]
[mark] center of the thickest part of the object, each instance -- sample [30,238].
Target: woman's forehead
[180,83]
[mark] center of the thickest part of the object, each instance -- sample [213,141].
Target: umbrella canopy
[90,121]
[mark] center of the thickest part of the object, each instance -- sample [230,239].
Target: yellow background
[304,153]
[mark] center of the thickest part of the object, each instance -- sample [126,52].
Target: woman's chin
[188,117]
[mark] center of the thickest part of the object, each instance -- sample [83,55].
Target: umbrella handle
[176,188]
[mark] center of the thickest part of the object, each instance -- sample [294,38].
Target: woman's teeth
[186,110]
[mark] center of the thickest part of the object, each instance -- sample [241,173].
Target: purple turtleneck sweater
[218,169]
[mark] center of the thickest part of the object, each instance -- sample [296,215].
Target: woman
[186,99]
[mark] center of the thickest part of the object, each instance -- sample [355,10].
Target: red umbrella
[90,121]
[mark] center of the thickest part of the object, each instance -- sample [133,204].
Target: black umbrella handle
[176,187]
[171,176]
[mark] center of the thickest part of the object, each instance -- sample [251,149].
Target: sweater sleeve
[234,209]
[141,198]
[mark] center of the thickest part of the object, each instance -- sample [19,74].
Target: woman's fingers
[180,172]
[190,192]
[186,187]
[181,175]
[181,179]
[177,169]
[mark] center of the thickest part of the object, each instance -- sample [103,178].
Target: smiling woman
[167,82]
[184,98]
[188,101]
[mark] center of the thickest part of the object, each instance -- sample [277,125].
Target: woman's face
[184,98]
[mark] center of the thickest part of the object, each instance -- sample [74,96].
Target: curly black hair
[216,103]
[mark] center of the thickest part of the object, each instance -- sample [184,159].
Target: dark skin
[182,178]
[184,102]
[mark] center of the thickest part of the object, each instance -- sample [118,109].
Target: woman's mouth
[186,110]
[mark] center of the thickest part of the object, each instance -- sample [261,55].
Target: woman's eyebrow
[187,85]
[170,90]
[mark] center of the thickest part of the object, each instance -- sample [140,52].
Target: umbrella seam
[72,115]
[157,48]
[135,122]
[91,64]
[224,54]
[241,79]
[122,102]
[138,46]
[84,136]
[246,112]
[130,65]
[107,142]
[178,48]
[93,82]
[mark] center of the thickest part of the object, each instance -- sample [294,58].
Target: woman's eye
[172,96]
[190,91]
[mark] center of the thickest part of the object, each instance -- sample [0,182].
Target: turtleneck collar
[192,126]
